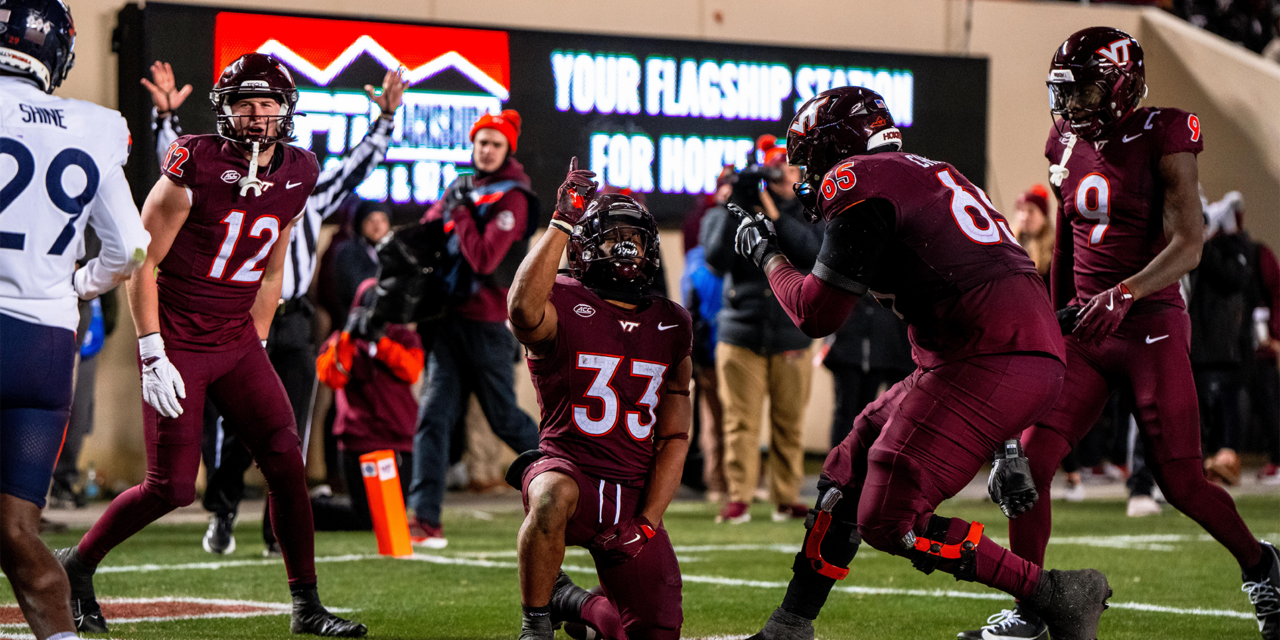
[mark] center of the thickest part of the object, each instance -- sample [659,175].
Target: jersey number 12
[249,270]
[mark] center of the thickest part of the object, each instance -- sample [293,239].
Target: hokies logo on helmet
[1117,52]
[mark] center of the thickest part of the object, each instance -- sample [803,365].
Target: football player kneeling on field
[611,367]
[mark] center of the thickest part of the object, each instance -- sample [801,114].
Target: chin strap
[1058,172]
[251,181]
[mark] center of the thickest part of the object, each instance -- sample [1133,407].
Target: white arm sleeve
[115,218]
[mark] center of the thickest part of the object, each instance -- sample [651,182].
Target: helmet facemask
[237,128]
[615,250]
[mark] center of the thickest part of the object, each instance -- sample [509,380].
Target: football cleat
[567,600]
[784,625]
[1263,588]
[1071,603]
[422,534]
[219,539]
[786,512]
[1141,506]
[1009,625]
[309,616]
[84,604]
[272,550]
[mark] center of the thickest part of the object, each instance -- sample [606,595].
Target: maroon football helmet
[614,249]
[254,74]
[834,125]
[1095,80]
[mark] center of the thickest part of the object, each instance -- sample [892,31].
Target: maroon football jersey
[953,269]
[1113,197]
[211,275]
[600,387]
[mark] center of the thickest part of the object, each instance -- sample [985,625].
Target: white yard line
[484,562]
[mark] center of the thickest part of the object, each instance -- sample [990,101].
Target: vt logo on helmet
[832,126]
[254,75]
[614,249]
[39,38]
[1095,80]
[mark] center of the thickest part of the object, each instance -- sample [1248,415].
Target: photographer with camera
[759,351]
[488,219]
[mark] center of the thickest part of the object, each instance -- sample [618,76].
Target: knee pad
[832,538]
[930,550]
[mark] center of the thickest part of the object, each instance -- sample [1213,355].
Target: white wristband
[151,345]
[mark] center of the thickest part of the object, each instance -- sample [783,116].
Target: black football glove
[756,239]
[1010,484]
[1067,319]
[459,195]
[623,541]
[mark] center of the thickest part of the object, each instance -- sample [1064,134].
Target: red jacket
[484,250]
[376,406]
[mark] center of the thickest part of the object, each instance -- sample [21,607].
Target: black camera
[748,183]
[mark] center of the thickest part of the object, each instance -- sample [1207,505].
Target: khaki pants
[746,378]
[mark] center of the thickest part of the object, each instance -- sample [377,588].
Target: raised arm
[356,165]
[533,316]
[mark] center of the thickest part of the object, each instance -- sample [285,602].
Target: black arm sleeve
[852,245]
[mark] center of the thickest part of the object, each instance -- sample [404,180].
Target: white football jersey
[61,168]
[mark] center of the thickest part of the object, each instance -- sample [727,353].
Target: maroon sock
[128,514]
[601,614]
[291,514]
[1029,532]
[1209,505]
[994,565]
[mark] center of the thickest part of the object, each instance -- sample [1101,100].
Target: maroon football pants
[248,393]
[1149,354]
[927,437]
[640,599]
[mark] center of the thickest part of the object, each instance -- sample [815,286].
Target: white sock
[65,635]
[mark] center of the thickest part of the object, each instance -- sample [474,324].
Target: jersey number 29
[64,201]
[601,389]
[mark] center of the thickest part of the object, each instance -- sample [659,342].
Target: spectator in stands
[869,352]
[357,259]
[760,353]
[490,217]
[372,376]
[1034,228]
[703,291]
[1221,336]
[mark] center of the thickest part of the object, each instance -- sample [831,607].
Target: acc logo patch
[506,221]
[585,310]
[230,176]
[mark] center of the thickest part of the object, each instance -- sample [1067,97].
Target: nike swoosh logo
[662,327]
[1129,138]
[636,539]
[290,185]
[1111,302]
[1151,340]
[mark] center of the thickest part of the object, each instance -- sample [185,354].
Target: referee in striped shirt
[291,343]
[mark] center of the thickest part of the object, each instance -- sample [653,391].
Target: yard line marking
[494,564]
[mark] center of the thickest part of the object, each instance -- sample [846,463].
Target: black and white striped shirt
[335,182]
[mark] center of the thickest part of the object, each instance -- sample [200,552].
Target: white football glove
[162,385]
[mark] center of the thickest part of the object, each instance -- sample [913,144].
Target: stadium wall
[1233,90]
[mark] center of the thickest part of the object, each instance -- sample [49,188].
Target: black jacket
[873,338]
[751,317]
[1220,307]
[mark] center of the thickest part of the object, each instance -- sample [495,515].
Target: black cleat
[309,616]
[784,625]
[1071,603]
[1016,624]
[84,604]
[1263,586]
[219,539]
[567,599]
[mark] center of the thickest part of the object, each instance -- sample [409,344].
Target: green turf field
[1170,580]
